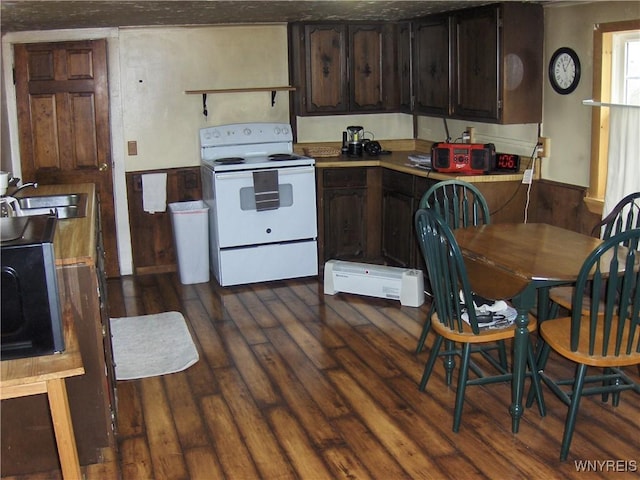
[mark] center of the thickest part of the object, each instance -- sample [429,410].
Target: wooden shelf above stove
[240,90]
[204,93]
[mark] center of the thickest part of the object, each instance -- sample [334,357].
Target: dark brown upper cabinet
[482,64]
[319,68]
[431,65]
[350,68]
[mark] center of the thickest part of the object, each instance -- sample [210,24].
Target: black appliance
[31,320]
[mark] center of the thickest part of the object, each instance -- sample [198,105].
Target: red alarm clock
[507,162]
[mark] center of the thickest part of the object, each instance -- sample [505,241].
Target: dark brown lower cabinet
[401,194]
[397,218]
[348,214]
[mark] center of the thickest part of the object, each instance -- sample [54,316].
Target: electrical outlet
[544,147]
[472,134]
[132,147]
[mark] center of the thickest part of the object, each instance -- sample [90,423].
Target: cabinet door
[431,66]
[397,228]
[396,67]
[326,69]
[345,223]
[475,92]
[404,65]
[366,46]
[420,187]
[397,217]
[343,197]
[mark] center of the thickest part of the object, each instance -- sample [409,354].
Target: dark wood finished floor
[295,384]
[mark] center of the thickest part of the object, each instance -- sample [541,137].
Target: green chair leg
[462,383]
[428,368]
[502,354]
[570,423]
[541,361]
[425,330]
[449,362]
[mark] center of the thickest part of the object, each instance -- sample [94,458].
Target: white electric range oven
[262,203]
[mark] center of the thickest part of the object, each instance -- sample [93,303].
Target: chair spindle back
[459,203]
[446,270]
[614,329]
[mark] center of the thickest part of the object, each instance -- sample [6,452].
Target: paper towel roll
[154,192]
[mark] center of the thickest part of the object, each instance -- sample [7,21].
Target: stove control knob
[277,130]
[268,230]
[285,130]
[215,134]
[247,131]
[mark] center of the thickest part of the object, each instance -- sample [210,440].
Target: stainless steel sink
[72,205]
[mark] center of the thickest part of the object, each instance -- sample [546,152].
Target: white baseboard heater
[396,283]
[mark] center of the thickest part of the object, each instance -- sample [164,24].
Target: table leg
[523,303]
[63,428]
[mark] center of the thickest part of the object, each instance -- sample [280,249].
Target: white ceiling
[25,15]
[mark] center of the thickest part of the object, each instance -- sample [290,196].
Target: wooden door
[63,119]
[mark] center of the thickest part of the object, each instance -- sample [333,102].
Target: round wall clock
[564,70]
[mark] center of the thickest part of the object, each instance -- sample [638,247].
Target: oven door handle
[249,173]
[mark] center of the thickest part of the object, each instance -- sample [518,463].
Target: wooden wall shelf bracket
[273,91]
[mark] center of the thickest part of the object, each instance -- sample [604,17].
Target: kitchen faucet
[22,187]
[9,205]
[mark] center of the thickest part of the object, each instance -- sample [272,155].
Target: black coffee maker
[355,141]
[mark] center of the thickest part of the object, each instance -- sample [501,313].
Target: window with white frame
[625,68]
[616,79]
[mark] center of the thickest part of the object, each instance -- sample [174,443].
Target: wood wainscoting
[152,242]
[153,249]
[561,205]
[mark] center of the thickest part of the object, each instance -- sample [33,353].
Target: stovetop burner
[229,160]
[283,156]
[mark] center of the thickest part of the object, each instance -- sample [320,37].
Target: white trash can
[190,222]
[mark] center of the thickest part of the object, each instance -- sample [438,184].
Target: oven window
[248,196]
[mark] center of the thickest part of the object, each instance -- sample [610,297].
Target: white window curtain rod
[594,103]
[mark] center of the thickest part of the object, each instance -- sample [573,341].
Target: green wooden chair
[606,337]
[624,216]
[449,280]
[461,204]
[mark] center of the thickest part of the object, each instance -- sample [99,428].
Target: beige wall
[159,64]
[519,139]
[329,128]
[565,120]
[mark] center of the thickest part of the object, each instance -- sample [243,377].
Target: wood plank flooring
[293,384]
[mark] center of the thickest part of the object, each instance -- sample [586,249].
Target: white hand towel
[154,192]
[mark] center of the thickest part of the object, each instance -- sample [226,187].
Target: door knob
[103,167]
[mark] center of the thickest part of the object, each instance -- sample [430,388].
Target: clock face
[564,71]
[506,162]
